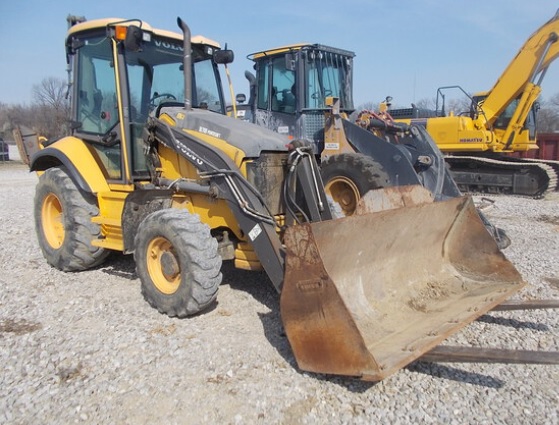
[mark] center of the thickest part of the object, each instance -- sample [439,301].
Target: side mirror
[224,57]
[133,40]
[240,98]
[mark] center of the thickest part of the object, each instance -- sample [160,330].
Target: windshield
[155,75]
[503,120]
[328,74]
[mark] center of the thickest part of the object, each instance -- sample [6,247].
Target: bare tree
[52,108]
[554,101]
[50,92]
[13,115]
[370,106]
[548,115]
[459,106]
[425,103]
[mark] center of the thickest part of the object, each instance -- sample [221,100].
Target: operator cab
[121,71]
[289,93]
[528,130]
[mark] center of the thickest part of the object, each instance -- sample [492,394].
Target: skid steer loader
[154,167]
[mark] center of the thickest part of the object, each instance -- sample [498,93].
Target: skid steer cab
[155,168]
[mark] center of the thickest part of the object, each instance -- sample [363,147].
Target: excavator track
[549,162]
[511,176]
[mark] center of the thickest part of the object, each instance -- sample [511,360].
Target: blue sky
[405,48]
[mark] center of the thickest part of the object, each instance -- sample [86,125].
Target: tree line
[47,115]
[49,112]
[547,117]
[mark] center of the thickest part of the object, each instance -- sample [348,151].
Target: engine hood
[250,138]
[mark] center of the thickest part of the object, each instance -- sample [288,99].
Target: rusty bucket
[366,295]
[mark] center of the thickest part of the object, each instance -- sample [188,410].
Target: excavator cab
[525,138]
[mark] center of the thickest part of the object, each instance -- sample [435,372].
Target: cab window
[263,87]
[283,87]
[96,104]
[96,101]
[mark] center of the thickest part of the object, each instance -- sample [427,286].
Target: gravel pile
[86,348]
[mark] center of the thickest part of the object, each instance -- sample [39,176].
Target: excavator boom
[525,72]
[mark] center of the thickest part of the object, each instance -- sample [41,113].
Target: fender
[76,156]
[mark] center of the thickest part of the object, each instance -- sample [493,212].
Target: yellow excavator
[155,168]
[499,121]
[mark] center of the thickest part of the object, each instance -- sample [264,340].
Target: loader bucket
[366,295]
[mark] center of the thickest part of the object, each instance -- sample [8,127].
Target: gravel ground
[86,348]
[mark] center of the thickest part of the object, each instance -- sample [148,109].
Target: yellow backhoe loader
[154,167]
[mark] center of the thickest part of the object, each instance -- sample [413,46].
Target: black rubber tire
[73,251]
[178,262]
[361,172]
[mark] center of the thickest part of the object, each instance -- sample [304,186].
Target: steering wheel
[159,96]
[317,95]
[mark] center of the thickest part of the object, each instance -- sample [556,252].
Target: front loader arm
[247,204]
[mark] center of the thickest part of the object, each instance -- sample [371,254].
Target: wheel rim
[345,193]
[163,265]
[52,217]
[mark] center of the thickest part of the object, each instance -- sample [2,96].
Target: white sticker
[283,129]
[241,112]
[209,132]
[332,146]
[256,230]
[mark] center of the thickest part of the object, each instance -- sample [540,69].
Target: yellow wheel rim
[345,193]
[52,217]
[163,265]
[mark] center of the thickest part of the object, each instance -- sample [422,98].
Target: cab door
[96,108]
[276,100]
